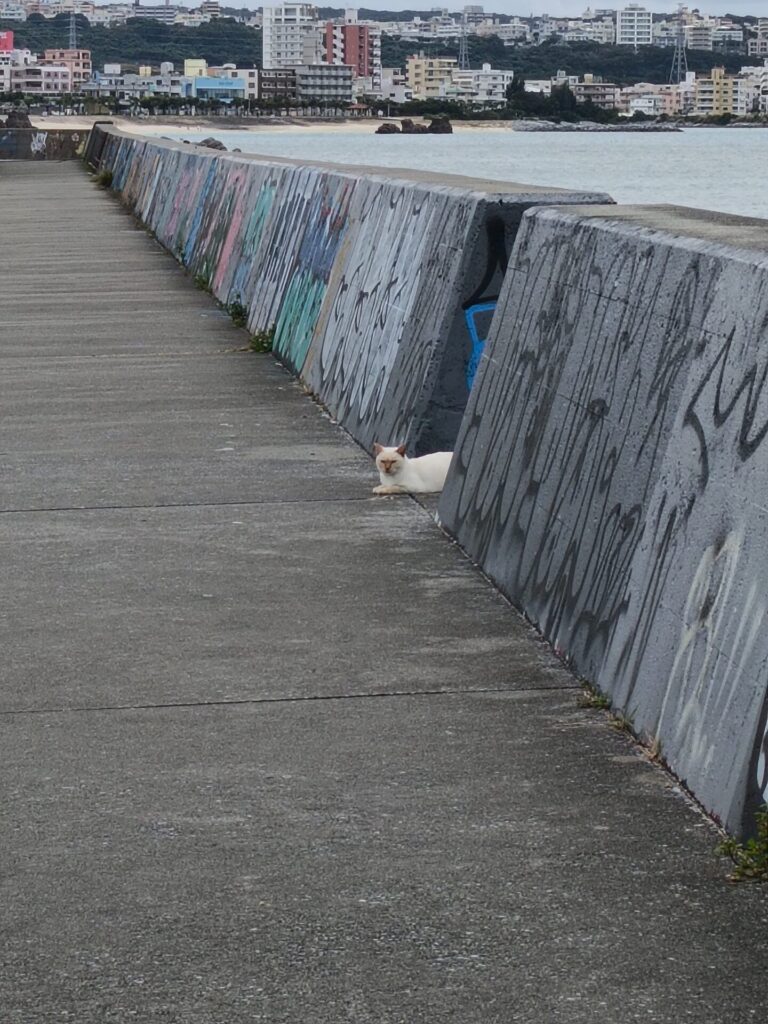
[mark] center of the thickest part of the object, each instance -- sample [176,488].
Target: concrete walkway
[271,749]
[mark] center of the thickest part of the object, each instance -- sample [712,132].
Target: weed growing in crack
[262,341]
[591,697]
[750,859]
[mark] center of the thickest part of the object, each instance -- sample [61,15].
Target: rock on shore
[439,125]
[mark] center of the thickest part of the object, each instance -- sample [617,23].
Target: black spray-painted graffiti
[598,481]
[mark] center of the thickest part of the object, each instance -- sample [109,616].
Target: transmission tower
[679,59]
[72,31]
[463,49]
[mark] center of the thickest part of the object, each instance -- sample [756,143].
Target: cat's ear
[378,448]
[401,449]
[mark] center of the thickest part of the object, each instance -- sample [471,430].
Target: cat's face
[389,460]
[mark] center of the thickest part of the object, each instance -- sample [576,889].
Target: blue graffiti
[478,334]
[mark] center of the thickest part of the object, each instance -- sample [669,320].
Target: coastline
[366,126]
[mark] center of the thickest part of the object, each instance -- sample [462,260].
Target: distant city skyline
[524,8]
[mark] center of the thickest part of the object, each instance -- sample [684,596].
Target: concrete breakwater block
[379,286]
[40,143]
[611,473]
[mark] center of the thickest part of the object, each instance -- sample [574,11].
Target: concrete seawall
[41,143]
[611,473]
[379,287]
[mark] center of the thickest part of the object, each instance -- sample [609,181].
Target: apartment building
[356,45]
[489,85]
[758,46]
[714,95]
[428,77]
[78,62]
[606,95]
[515,31]
[277,85]
[41,79]
[291,36]
[324,83]
[157,12]
[634,26]
[699,35]
[651,99]
[394,86]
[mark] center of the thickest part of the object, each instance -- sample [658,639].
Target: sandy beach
[205,125]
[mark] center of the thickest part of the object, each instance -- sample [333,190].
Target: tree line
[143,40]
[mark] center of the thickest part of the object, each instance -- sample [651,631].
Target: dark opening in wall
[485,265]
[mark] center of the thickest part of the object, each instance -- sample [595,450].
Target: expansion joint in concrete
[239,702]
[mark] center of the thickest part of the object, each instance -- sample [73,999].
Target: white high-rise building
[291,36]
[634,26]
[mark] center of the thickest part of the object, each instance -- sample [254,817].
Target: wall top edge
[681,225]
[501,191]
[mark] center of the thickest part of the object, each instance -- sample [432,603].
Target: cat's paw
[389,489]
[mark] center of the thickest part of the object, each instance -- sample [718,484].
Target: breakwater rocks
[601,373]
[591,126]
[439,125]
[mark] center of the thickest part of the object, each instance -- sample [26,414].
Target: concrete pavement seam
[234,702]
[180,504]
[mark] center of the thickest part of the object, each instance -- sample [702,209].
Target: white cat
[401,475]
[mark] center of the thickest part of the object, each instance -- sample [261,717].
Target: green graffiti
[258,219]
[297,318]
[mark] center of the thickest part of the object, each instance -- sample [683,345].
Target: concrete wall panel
[611,472]
[363,277]
[40,144]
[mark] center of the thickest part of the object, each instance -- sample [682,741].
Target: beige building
[714,95]
[78,62]
[429,77]
[651,99]
[195,67]
[606,95]
[42,79]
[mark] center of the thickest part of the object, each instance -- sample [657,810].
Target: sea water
[723,169]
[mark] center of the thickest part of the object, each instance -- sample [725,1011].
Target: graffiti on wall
[325,219]
[360,278]
[481,304]
[618,369]
[385,321]
[30,144]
